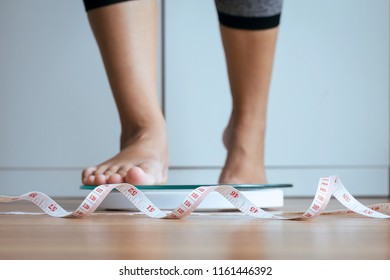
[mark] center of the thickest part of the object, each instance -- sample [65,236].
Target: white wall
[56,111]
[328,110]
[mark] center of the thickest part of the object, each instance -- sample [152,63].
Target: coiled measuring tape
[327,187]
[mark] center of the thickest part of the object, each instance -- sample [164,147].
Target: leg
[127,37]
[249,49]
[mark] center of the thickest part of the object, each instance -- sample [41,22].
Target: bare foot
[244,141]
[143,159]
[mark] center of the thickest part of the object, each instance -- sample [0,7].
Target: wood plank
[218,235]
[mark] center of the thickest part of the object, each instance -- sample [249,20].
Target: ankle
[241,126]
[244,139]
[146,129]
[248,117]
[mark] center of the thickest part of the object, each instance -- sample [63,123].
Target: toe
[86,173]
[115,179]
[122,171]
[100,179]
[100,170]
[155,170]
[111,170]
[90,180]
[138,176]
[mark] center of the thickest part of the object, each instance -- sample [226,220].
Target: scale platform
[168,197]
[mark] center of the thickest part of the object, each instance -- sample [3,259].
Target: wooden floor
[117,235]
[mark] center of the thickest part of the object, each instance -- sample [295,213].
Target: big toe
[138,176]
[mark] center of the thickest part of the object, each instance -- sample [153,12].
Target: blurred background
[328,109]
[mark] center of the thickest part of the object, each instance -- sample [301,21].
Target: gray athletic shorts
[242,14]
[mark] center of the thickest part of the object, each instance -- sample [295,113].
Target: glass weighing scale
[168,197]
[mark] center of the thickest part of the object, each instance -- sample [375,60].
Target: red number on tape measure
[194,195]
[132,191]
[150,208]
[346,197]
[315,207]
[253,210]
[187,203]
[180,211]
[234,194]
[52,207]
[33,195]
[86,206]
[80,213]
[368,212]
[99,190]
[92,197]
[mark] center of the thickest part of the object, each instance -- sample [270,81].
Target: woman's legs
[249,56]
[127,37]
[249,45]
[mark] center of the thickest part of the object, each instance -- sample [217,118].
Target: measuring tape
[327,187]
